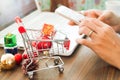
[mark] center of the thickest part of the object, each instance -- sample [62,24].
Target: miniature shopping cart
[43,47]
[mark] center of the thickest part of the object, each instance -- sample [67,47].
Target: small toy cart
[43,47]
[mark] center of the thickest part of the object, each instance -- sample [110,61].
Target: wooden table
[84,64]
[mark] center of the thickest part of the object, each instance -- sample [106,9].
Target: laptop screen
[11,8]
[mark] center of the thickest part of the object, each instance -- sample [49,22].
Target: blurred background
[9,9]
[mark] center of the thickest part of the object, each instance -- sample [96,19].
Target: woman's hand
[106,16]
[103,40]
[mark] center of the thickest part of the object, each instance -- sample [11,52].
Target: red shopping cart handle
[18,19]
[21,29]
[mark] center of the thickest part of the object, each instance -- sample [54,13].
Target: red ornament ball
[18,58]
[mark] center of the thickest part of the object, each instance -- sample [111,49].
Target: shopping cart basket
[42,50]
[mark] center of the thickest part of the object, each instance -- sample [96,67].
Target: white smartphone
[69,14]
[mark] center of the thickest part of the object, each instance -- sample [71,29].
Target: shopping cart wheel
[30,74]
[56,61]
[61,69]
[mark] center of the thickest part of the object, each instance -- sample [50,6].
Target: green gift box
[10,40]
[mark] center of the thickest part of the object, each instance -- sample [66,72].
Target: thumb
[84,42]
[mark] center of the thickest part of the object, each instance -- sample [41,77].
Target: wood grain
[84,64]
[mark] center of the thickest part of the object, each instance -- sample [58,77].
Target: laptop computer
[37,21]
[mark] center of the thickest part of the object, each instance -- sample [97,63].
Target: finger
[71,23]
[93,13]
[87,31]
[88,23]
[99,24]
[85,42]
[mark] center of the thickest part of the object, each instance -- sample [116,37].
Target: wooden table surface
[84,64]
